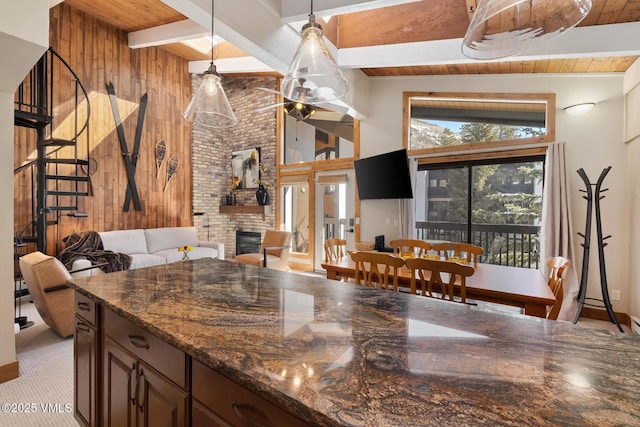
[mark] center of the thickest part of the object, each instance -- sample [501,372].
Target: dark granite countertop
[334,353]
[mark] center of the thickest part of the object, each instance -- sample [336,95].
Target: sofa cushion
[159,239]
[124,241]
[174,255]
[146,260]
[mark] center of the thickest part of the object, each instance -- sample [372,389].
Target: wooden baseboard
[299,266]
[598,314]
[10,371]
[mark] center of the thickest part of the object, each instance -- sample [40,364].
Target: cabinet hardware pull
[141,399]
[252,415]
[84,306]
[82,327]
[131,372]
[138,341]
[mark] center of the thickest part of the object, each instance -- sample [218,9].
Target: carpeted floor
[43,394]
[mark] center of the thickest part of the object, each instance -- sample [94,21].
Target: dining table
[520,287]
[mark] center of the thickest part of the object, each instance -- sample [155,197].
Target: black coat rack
[590,197]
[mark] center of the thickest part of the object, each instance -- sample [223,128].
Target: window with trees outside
[447,121]
[495,204]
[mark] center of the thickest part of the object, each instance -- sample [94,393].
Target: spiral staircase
[53,103]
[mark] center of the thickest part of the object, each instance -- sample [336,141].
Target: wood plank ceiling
[427,20]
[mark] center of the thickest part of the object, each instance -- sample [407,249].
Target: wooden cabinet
[219,401]
[86,362]
[127,377]
[144,378]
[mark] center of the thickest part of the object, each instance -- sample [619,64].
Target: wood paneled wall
[99,54]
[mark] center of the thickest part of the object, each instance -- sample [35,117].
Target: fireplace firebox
[247,242]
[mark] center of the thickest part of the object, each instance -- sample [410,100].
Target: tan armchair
[46,277]
[274,252]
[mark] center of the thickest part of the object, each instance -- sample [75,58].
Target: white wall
[300,137]
[24,36]
[594,141]
[631,80]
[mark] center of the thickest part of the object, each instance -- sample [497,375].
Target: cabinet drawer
[162,356]
[235,404]
[86,308]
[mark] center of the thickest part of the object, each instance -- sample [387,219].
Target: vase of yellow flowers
[185,251]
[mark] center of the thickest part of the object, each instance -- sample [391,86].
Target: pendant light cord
[213,4]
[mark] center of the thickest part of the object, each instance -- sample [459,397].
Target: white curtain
[407,206]
[556,232]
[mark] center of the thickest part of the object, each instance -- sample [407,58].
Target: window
[324,136]
[440,122]
[294,192]
[495,204]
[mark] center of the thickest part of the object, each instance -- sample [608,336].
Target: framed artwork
[245,168]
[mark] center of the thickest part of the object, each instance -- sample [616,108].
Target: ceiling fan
[298,110]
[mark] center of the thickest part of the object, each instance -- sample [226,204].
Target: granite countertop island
[334,353]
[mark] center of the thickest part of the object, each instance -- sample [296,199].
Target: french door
[335,210]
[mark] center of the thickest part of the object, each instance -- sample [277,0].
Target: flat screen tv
[385,176]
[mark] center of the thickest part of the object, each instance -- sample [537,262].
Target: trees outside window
[495,204]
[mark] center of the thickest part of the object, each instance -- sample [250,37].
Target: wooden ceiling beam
[580,42]
[168,33]
[413,22]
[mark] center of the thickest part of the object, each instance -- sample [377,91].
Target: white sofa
[154,246]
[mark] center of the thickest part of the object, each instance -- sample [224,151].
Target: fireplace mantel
[248,209]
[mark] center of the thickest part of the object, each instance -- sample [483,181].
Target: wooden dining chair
[410,248]
[334,249]
[442,274]
[377,269]
[558,266]
[465,251]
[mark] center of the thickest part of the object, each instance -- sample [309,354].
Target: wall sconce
[578,109]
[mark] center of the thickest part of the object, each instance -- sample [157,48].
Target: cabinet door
[159,402]
[86,359]
[118,386]
[201,416]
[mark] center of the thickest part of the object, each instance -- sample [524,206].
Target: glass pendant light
[313,76]
[501,28]
[210,107]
